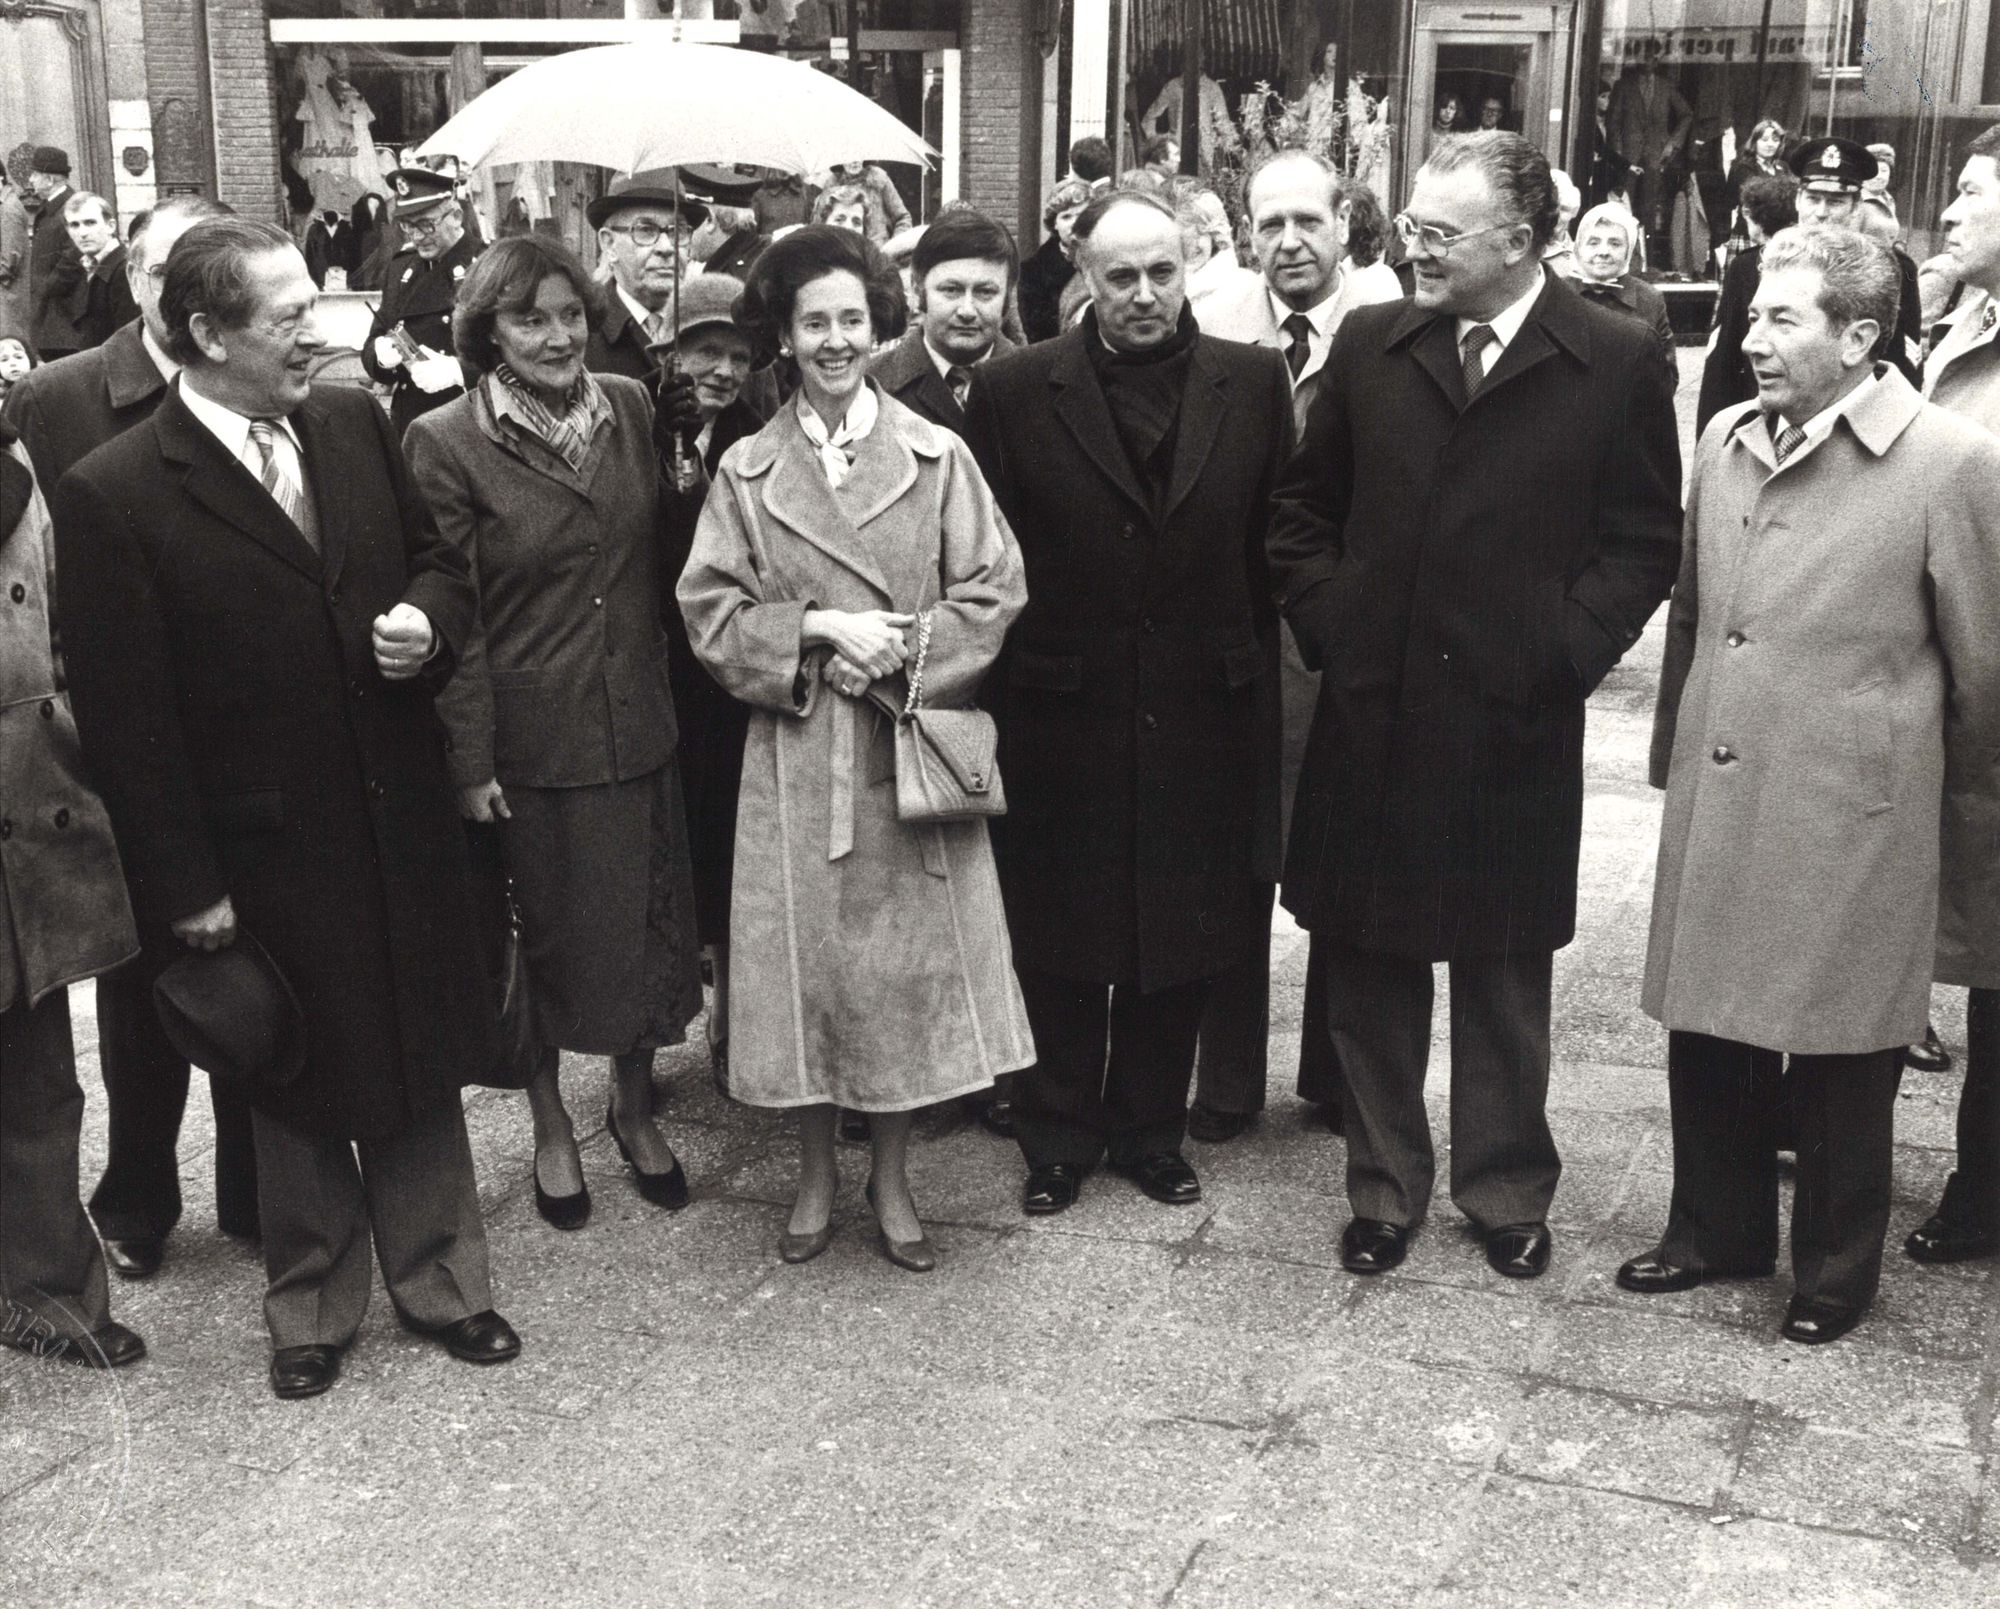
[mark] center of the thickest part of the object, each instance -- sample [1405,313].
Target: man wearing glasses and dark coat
[417,295]
[1482,513]
[642,232]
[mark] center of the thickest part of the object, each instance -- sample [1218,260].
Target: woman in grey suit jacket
[559,718]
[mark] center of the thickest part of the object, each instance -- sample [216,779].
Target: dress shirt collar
[1505,324]
[945,365]
[1821,424]
[226,425]
[640,312]
[167,366]
[1322,315]
[1962,335]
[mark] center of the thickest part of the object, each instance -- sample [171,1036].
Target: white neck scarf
[836,448]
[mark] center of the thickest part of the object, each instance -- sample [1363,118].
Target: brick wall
[177,89]
[245,114]
[999,119]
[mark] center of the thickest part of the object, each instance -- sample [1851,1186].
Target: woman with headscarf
[1605,238]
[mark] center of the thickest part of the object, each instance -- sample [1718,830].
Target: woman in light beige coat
[870,962]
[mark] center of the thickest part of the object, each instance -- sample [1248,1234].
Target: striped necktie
[283,492]
[959,378]
[1789,441]
[1472,358]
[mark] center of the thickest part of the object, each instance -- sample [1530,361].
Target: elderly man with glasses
[643,228]
[409,345]
[1482,513]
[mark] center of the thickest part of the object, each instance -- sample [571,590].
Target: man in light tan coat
[1831,692]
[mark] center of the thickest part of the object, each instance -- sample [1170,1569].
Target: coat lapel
[799,497]
[1558,320]
[1081,406]
[1203,403]
[1434,344]
[225,488]
[328,466]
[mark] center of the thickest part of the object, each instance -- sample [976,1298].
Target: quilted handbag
[947,761]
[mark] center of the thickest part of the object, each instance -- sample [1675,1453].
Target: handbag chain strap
[915,701]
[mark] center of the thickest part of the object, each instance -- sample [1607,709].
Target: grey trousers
[415,1194]
[52,1280]
[1504,1165]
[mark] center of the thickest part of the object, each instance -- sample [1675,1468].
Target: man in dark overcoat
[55,266]
[642,232]
[419,289]
[1137,696]
[964,268]
[103,301]
[62,411]
[1482,513]
[256,611]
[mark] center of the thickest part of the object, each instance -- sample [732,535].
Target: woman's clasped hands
[867,645]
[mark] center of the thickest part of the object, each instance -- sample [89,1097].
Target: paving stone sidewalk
[1126,1405]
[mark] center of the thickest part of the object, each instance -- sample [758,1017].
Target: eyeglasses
[1435,242]
[419,228]
[645,234]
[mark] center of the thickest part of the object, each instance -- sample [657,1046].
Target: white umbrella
[641,106]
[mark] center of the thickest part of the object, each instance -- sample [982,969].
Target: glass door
[1486,66]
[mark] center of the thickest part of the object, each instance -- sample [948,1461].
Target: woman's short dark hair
[506,279]
[787,266]
[1367,227]
[1771,202]
[1158,149]
[208,271]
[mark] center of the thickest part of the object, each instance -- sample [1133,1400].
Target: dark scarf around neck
[1144,391]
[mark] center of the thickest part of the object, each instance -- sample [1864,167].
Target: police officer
[417,294]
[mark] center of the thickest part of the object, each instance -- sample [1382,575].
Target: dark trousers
[1724,1217]
[1111,1072]
[323,1201]
[146,1089]
[52,1283]
[1233,1062]
[1972,1195]
[1504,1165]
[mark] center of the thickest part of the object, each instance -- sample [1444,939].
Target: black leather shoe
[997,1117]
[561,1212]
[1051,1188]
[1214,1127]
[1166,1178]
[1370,1246]
[1928,1055]
[304,1371]
[134,1256]
[1812,1322]
[1520,1251]
[1653,1275]
[111,1346]
[854,1127]
[669,1189]
[481,1338]
[1939,1240]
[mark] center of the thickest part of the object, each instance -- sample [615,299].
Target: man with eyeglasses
[1482,514]
[642,232]
[409,346]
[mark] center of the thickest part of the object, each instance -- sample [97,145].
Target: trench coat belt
[850,742]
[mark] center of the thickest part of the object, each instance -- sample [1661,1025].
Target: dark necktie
[1472,357]
[1788,442]
[959,378]
[1298,329]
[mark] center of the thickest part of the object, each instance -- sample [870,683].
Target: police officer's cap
[1833,164]
[419,191]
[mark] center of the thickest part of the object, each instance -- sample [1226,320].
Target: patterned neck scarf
[566,434]
[836,448]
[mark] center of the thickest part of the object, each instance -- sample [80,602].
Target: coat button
[48,709]
[6,828]
[376,790]
[357,687]
[62,819]
[17,592]
[1724,754]
[1149,721]
[1128,533]
[333,596]
[1149,626]
[1735,639]
[597,603]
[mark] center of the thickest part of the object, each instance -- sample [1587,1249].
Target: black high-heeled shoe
[669,1189]
[919,1256]
[560,1212]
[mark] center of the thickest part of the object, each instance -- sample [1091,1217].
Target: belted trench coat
[1828,731]
[869,960]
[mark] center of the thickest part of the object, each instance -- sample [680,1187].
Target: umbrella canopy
[640,106]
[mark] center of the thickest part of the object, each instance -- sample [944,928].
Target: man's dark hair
[1518,172]
[1160,148]
[787,266]
[964,233]
[1090,158]
[506,279]
[1110,201]
[1986,144]
[208,271]
[1771,202]
[193,208]
[1367,225]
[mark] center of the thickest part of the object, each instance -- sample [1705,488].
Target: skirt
[600,876]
